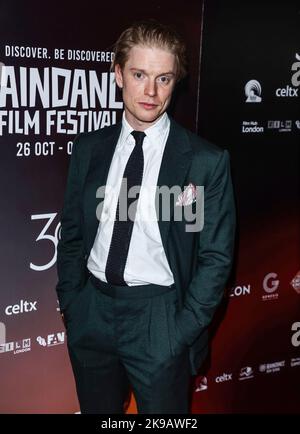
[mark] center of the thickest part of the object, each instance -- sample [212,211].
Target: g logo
[269,283]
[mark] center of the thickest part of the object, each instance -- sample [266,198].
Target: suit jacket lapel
[175,164]
[101,158]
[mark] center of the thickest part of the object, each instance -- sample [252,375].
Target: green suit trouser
[122,337]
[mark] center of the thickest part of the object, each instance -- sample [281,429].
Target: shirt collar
[154,132]
[159,128]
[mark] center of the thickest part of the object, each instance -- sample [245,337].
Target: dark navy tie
[120,240]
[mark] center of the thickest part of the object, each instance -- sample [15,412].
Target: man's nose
[150,88]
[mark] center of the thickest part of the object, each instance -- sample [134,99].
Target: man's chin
[150,118]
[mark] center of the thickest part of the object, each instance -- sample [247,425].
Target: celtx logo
[52,339]
[21,307]
[253,91]
[296,75]
[270,285]
[286,91]
[296,336]
[224,377]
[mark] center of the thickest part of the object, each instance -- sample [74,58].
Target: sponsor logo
[251,127]
[22,307]
[296,336]
[240,290]
[295,282]
[270,286]
[253,91]
[295,361]
[51,340]
[281,126]
[201,383]
[246,373]
[16,347]
[269,368]
[297,123]
[223,377]
[286,92]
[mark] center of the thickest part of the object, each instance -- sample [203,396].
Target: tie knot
[138,137]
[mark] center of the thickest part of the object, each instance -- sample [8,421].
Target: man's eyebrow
[167,73]
[145,72]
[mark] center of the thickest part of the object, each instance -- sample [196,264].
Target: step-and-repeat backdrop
[241,93]
[249,104]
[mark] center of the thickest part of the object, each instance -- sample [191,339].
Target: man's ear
[119,76]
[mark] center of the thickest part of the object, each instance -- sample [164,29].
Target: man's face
[147,80]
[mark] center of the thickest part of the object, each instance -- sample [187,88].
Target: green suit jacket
[200,261]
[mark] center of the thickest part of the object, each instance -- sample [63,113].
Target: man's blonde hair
[151,34]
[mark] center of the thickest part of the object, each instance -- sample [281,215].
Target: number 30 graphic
[43,236]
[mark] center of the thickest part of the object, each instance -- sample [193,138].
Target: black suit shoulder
[84,144]
[205,151]
[203,146]
[209,161]
[92,137]
[202,149]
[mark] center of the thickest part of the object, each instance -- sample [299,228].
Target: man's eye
[164,79]
[138,75]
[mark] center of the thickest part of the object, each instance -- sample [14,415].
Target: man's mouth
[147,105]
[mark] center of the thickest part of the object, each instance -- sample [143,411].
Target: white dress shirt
[146,261]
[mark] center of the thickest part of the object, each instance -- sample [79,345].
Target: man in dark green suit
[137,295]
